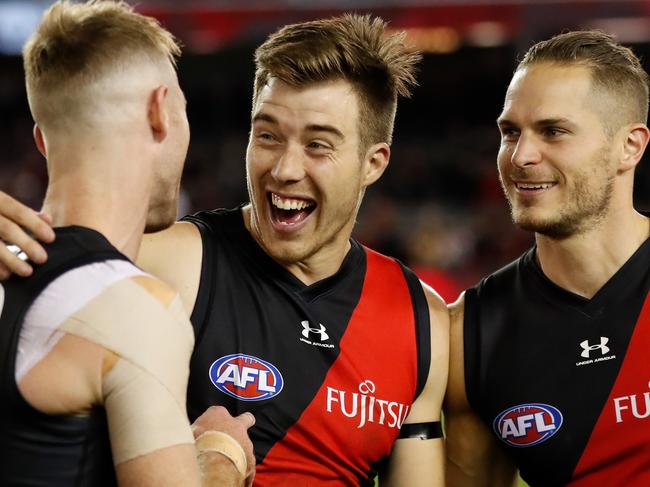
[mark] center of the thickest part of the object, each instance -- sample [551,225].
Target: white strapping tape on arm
[223,443]
[144,393]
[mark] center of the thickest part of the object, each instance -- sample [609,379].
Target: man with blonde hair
[340,352]
[95,352]
[549,355]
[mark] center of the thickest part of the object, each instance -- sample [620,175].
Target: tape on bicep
[144,392]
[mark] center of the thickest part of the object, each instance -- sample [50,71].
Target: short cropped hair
[76,43]
[350,47]
[615,69]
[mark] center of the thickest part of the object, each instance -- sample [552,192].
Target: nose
[527,151]
[290,165]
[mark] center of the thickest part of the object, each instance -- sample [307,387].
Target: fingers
[247,419]
[19,215]
[11,263]
[17,222]
[47,219]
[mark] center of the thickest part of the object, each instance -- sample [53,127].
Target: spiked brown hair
[350,47]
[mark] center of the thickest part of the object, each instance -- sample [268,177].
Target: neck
[324,263]
[584,262]
[100,187]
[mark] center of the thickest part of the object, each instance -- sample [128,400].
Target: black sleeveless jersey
[329,370]
[37,449]
[563,381]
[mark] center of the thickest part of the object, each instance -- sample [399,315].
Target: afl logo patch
[246,378]
[527,424]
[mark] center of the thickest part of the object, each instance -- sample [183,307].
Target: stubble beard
[162,213]
[586,208]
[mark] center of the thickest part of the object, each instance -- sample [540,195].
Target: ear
[633,146]
[40,140]
[375,163]
[158,115]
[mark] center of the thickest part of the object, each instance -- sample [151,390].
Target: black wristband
[423,431]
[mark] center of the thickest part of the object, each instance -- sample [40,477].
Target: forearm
[473,457]
[460,476]
[416,463]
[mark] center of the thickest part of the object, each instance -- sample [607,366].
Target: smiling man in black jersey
[549,369]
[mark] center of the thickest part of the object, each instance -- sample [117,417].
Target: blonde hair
[351,47]
[77,44]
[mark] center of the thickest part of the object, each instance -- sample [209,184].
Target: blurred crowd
[439,208]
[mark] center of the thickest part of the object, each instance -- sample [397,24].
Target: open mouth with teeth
[531,187]
[288,212]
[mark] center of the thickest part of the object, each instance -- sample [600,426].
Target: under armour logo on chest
[587,349]
[321,330]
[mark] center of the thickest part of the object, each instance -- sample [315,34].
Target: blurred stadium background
[439,207]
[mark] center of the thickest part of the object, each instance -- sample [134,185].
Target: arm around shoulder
[175,255]
[474,459]
[420,462]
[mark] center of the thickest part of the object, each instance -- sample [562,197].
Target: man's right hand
[17,225]
[217,418]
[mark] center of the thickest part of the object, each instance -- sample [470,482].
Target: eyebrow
[326,128]
[265,117]
[540,123]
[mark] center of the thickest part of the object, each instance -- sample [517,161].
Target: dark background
[439,207]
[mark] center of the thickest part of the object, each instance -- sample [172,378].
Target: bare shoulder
[457,311]
[456,398]
[428,405]
[181,235]
[175,256]
[438,311]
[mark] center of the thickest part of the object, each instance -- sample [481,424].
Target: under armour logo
[586,348]
[321,330]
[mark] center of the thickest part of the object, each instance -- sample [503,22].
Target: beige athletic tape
[144,392]
[217,441]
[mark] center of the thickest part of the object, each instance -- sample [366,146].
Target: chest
[566,388]
[333,370]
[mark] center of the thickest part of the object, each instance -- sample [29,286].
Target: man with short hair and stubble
[549,365]
[94,351]
[339,352]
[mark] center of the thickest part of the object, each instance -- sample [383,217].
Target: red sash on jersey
[618,451]
[339,436]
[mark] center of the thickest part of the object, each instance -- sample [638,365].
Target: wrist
[224,444]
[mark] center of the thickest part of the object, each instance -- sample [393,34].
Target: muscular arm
[474,458]
[84,375]
[415,462]
[77,386]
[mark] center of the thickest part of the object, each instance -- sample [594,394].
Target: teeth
[289,203]
[534,185]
